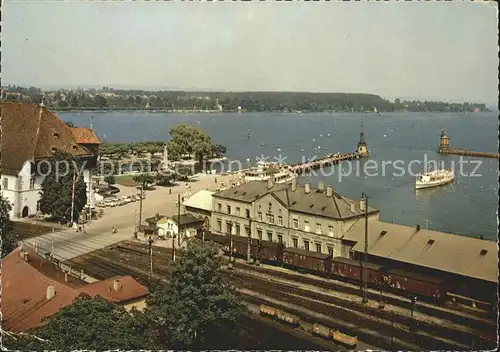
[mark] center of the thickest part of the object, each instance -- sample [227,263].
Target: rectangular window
[306,245]
[295,223]
[330,250]
[219,225]
[219,207]
[229,227]
[32,183]
[270,218]
[248,213]
[229,209]
[237,211]
[295,242]
[237,229]
[280,220]
[318,228]
[247,230]
[280,239]
[306,225]
[259,216]
[269,236]
[318,247]
[5,183]
[259,234]
[330,230]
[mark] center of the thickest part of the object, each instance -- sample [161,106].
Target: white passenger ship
[434,178]
[263,171]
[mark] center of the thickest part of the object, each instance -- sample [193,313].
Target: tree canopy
[200,308]
[9,238]
[57,187]
[144,180]
[89,324]
[189,140]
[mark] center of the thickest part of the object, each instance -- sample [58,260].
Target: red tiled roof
[85,135]
[29,135]
[24,289]
[128,289]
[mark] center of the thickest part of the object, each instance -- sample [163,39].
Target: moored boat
[263,171]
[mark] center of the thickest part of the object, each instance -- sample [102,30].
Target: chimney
[294,185]
[307,188]
[362,205]
[51,292]
[116,285]
[418,227]
[353,208]
[321,186]
[270,183]
[329,191]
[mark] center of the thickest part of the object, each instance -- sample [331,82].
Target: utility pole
[249,247]
[73,199]
[140,204]
[230,265]
[365,267]
[178,220]
[150,241]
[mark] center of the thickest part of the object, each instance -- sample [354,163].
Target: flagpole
[73,199]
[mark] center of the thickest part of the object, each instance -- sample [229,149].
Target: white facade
[23,191]
[168,227]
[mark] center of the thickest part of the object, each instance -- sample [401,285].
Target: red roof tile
[85,135]
[24,289]
[29,135]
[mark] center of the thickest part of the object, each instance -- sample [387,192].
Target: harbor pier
[444,148]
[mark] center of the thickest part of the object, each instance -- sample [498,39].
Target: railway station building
[297,216]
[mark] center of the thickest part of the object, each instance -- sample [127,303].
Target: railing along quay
[328,160]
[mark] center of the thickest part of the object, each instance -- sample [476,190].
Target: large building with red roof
[34,288]
[30,134]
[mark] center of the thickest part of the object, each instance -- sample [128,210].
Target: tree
[163,179]
[188,139]
[144,180]
[57,187]
[90,324]
[218,150]
[200,308]
[110,180]
[9,238]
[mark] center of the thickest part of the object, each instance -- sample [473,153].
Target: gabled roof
[200,200]
[30,132]
[315,202]
[24,289]
[186,219]
[451,253]
[83,135]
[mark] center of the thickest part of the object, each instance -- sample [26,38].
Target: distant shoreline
[170,111]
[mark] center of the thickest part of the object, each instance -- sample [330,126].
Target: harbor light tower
[444,145]
[362,149]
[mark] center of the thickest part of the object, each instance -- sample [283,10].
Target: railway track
[453,314]
[131,258]
[351,312]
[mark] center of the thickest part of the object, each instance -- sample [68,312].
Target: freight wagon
[310,261]
[352,270]
[279,314]
[418,284]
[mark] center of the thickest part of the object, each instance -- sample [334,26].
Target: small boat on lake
[263,171]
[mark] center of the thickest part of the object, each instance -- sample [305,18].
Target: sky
[411,50]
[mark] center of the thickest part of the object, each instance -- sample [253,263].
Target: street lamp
[232,231]
[413,303]
[365,268]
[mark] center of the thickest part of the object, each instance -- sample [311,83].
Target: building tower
[362,149]
[444,145]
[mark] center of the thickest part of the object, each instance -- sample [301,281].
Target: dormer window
[56,135]
[75,147]
[53,149]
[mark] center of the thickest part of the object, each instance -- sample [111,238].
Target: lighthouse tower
[444,145]
[362,149]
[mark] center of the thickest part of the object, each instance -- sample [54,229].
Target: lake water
[468,206]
